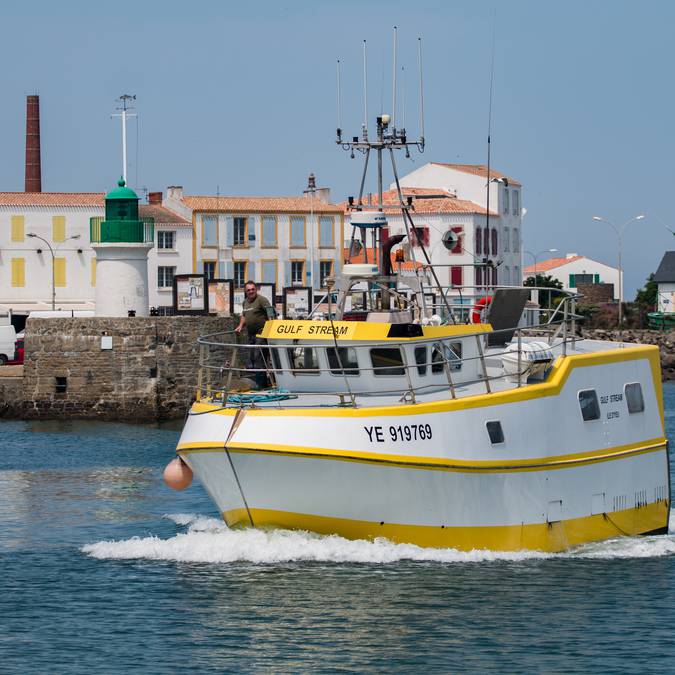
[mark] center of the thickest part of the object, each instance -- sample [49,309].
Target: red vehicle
[18,353]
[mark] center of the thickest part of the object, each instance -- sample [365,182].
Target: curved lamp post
[619,233]
[32,235]
[535,256]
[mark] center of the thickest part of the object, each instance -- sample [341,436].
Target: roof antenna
[492,77]
[419,64]
[339,110]
[403,133]
[393,92]
[365,93]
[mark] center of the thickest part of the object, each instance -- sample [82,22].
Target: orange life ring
[481,305]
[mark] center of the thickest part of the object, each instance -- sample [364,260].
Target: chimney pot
[154,198]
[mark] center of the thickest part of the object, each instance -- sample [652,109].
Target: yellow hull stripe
[550,537]
[560,372]
[439,463]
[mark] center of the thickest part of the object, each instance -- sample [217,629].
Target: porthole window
[590,408]
[421,360]
[495,432]
[634,398]
[387,361]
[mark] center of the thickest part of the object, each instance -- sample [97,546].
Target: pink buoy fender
[177,474]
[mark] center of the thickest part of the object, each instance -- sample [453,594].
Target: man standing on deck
[256,310]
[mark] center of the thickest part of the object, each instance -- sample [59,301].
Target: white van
[7,344]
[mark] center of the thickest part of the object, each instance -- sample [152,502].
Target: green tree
[647,296]
[546,281]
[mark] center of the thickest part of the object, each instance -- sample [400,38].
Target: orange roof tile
[161,215]
[478,170]
[550,264]
[260,204]
[52,199]
[426,200]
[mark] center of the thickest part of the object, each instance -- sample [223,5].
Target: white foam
[209,540]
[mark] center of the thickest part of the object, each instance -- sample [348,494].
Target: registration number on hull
[401,433]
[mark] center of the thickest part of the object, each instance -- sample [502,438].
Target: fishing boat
[429,424]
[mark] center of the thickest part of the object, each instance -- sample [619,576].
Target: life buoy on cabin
[479,308]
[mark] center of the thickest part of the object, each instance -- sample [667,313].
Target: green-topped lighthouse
[121,242]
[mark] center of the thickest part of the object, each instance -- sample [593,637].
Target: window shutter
[287,273]
[251,271]
[58,228]
[250,227]
[459,247]
[456,276]
[221,269]
[200,267]
[18,228]
[59,272]
[229,231]
[18,272]
[572,281]
[479,241]
[316,281]
[596,279]
[93,271]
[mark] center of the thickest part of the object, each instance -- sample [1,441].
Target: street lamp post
[32,235]
[619,234]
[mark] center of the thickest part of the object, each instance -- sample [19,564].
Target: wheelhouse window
[590,408]
[452,353]
[495,431]
[421,360]
[304,360]
[343,361]
[634,398]
[387,361]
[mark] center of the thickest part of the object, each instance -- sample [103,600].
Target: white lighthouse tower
[121,243]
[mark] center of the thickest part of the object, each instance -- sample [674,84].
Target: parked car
[7,344]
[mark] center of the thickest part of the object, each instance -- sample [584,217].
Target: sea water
[104,569]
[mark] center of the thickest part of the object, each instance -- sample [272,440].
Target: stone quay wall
[149,374]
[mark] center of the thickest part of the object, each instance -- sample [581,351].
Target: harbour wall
[133,369]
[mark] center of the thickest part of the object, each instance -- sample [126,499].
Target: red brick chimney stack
[33,166]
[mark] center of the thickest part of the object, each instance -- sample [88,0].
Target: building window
[60,385]
[495,431]
[298,231]
[634,398]
[506,240]
[240,232]
[58,228]
[298,272]
[515,242]
[210,269]
[325,270]
[494,241]
[456,276]
[18,272]
[506,201]
[479,241]
[165,277]
[269,271]
[387,361]
[479,276]
[60,272]
[582,279]
[18,227]
[344,361]
[166,239]
[419,236]
[240,274]
[269,231]
[326,229]
[486,241]
[209,231]
[590,408]
[516,203]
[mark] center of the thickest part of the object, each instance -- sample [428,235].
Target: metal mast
[124,109]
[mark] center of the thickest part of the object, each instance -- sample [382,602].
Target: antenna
[419,64]
[393,93]
[126,106]
[487,197]
[365,93]
[339,108]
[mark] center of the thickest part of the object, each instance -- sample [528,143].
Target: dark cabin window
[346,364]
[590,408]
[495,432]
[387,361]
[421,360]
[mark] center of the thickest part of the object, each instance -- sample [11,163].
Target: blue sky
[241,97]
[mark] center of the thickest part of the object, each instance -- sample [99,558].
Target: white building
[63,220]
[265,239]
[665,279]
[454,197]
[574,269]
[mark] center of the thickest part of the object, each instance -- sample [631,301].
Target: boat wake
[209,540]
